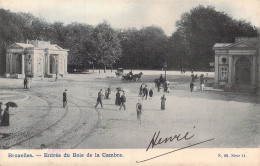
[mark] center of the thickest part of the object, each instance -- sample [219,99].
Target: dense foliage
[190,46]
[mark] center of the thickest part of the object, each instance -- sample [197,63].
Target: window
[223,73]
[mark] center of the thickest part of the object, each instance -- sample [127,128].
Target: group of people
[164,83]
[27,82]
[120,98]
[143,91]
[4,115]
[203,80]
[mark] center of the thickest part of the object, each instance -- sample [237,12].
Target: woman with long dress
[118,98]
[163,99]
[5,118]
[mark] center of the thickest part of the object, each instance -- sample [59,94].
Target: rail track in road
[67,137]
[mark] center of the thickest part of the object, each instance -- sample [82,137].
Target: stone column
[57,63]
[7,63]
[22,71]
[11,63]
[230,65]
[216,69]
[48,63]
[254,75]
[66,63]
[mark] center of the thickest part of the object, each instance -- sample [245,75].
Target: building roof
[23,45]
[221,45]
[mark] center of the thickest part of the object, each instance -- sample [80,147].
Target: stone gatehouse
[35,59]
[237,65]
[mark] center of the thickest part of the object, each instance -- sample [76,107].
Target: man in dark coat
[158,85]
[161,79]
[64,98]
[25,83]
[123,100]
[99,99]
[145,92]
[191,86]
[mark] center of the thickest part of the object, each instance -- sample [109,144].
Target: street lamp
[165,66]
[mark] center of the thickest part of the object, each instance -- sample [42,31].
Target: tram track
[33,130]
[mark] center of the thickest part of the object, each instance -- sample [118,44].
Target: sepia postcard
[130,82]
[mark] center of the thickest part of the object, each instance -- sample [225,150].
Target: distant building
[36,59]
[237,65]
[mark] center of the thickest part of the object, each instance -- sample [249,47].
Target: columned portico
[243,68]
[35,58]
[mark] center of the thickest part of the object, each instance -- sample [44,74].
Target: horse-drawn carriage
[132,77]
[119,72]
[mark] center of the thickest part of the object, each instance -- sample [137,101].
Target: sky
[130,13]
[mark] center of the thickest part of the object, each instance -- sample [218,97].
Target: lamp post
[165,66]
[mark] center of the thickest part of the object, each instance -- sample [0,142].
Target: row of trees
[147,48]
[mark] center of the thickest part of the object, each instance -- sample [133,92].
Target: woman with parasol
[5,118]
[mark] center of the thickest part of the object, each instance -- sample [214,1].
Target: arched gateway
[243,71]
[237,65]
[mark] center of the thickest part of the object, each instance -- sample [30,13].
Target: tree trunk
[99,70]
[93,67]
[111,69]
[105,69]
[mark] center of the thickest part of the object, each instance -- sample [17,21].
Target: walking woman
[117,98]
[139,111]
[163,99]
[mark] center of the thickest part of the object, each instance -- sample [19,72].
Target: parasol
[11,104]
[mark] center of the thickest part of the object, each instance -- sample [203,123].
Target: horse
[137,76]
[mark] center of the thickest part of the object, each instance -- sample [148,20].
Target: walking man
[64,98]
[99,99]
[123,100]
[25,83]
[145,92]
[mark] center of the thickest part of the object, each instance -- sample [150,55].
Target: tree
[146,48]
[105,46]
[200,29]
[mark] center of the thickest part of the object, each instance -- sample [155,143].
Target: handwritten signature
[178,137]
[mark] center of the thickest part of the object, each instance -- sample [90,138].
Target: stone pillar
[216,69]
[254,75]
[7,63]
[57,63]
[11,63]
[66,63]
[22,71]
[230,66]
[48,63]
